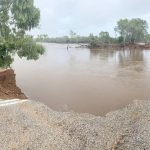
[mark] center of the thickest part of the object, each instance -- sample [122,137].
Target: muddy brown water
[84,80]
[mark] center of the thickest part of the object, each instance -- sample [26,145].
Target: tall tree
[93,41]
[104,37]
[138,30]
[72,34]
[133,30]
[16,18]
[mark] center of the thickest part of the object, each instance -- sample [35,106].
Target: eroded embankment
[29,125]
[8,87]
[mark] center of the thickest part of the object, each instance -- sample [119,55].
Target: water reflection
[132,58]
[84,80]
[102,54]
[124,58]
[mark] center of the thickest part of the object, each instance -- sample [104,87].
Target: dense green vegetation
[16,18]
[127,32]
[132,31]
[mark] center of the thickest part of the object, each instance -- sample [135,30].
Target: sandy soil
[8,87]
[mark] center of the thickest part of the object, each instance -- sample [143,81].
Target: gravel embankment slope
[29,125]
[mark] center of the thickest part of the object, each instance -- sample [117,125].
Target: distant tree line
[128,31]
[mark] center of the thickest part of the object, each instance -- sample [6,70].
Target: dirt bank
[8,87]
[121,46]
[28,125]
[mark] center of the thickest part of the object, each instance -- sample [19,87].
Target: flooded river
[84,80]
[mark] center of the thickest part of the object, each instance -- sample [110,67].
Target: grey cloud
[86,16]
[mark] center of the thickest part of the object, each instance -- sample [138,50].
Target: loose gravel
[30,125]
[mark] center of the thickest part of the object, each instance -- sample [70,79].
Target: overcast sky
[58,17]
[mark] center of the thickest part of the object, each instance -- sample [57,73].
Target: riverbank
[139,46]
[8,87]
[29,125]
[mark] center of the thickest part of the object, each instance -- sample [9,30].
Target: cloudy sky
[58,17]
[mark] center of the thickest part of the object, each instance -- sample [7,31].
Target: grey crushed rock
[33,126]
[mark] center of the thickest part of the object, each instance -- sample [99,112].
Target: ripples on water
[84,80]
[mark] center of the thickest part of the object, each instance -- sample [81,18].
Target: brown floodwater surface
[84,80]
